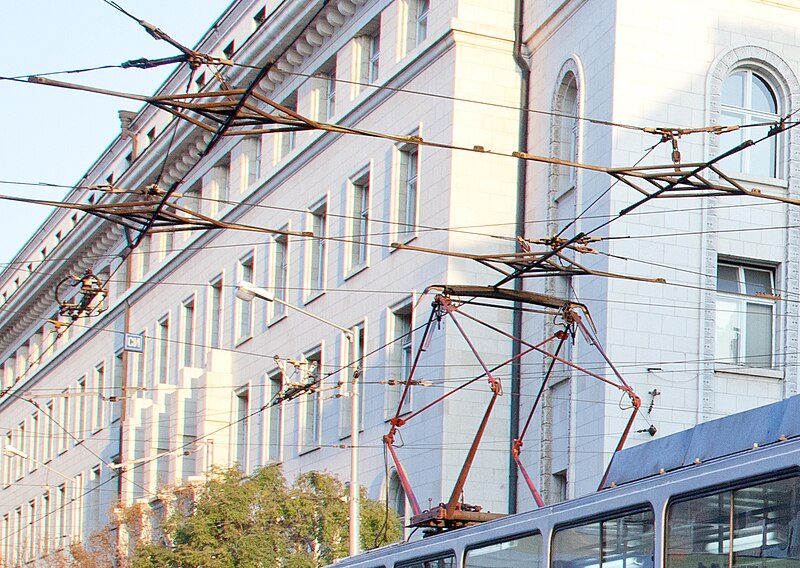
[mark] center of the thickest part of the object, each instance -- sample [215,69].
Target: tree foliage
[258,520]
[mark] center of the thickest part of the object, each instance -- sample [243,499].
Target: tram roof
[706,441]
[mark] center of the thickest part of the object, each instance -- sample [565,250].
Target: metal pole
[355,490]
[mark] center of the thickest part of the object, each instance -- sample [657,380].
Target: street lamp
[12,451]
[246,291]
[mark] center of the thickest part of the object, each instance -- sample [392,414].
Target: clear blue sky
[52,135]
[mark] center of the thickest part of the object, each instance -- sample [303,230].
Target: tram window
[619,542]
[448,561]
[521,552]
[753,527]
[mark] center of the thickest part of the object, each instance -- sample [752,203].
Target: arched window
[567,135]
[747,98]
[397,496]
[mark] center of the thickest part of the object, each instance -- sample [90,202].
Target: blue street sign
[134,342]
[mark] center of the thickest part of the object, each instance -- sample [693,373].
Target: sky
[52,135]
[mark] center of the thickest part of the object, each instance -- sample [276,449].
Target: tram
[723,494]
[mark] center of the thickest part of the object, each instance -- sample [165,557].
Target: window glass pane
[766,523]
[525,552]
[443,562]
[733,89]
[698,532]
[727,334]
[757,526]
[758,343]
[762,98]
[727,278]
[757,281]
[622,542]
[760,157]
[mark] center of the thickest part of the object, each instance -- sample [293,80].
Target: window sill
[242,340]
[768,182]
[276,319]
[403,241]
[562,193]
[758,372]
[388,418]
[305,451]
[356,270]
[313,296]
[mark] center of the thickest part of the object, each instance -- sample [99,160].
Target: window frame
[742,300]
[278,277]
[312,397]
[353,356]
[605,516]
[406,219]
[188,324]
[216,311]
[746,115]
[718,490]
[358,218]
[315,269]
[397,354]
[506,539]
[275,416]
[245,268]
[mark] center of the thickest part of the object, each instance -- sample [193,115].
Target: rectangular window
[22,463]
[359,221]
[242,428]
[310,408]
[60,514]
[620,541]
[251,160]
[63,419]
[47,455]
[279,274]
[162,453]
[288,138]
[244,308]
[7,540]
[752,526]
[407,195]
[374,54]
[145,246]
[162,350]
[326,91]
[354,359]
[30,537]
[315,266]
[215,314]
[94,493]
[137,362]
[46,521]
[416,23]
[191,197]
[220,186]
[8,460]
[401,361]
[167,239]
[444,561]
[330,94]
[745,315]
[274,418]
[78,492]
[368,49]
[80,419]
[187,332]
[189,459]
[117,379]
[100,398]
[36,442]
